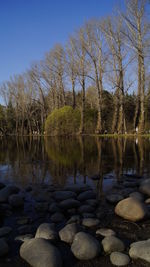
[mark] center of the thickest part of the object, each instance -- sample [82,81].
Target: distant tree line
[103,69]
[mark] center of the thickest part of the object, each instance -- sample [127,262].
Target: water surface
[72,160]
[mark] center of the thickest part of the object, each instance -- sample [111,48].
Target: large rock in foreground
[85,246]
[140,250]
[40,253]
[131,209]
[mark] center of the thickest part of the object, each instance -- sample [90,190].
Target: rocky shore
[48,226]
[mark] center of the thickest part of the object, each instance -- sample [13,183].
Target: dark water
[72,160]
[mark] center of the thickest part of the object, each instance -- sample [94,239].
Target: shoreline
[41,202]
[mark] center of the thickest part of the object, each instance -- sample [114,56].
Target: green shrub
[63,121]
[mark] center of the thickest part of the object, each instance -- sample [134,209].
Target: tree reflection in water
[72,159]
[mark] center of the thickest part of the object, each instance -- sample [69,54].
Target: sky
[30,28]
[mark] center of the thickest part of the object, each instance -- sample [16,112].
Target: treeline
[103,68]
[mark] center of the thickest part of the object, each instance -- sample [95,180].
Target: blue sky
[29,28]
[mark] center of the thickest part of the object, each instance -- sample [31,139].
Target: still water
[72,160]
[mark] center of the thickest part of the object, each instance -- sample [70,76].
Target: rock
[131,209]
[24,238]
[16,201]
[90,222]
[68,233]
[46,231]
[3,247]
[85,246]
[72,211]
[54,207]
[69,203]
[86,209]
[5,231]
[23,220]
[86,195]
[114,198]
[39,252]
[74,219]
[57,217]
[147,201]
[140,250]
[112,243]
[119,259]
[131,184]
[6,192]
[41,207]
[77,188]
[145,187]
[25,229]
[88,215]
[62,195]
[137,195]
[92,202]
[105,232]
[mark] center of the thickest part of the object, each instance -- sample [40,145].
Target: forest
[98,83]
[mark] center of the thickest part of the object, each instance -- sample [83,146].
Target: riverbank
[81,208]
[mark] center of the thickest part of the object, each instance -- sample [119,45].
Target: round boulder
[46,231]
[112,243]
[140,250]
[85,246]
[131,209]
[119,259]
[39,252]
[68,233]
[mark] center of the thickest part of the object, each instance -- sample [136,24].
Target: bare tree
[136,38]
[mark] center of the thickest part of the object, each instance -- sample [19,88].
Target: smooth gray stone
[86,195]
[114,198]
[69,203]
[41,207]
[119,259]
[88,215]
[92,202]
[46,231]
[90,222]
[68,233]
[77,188]
[85,209]
[62,195]
[105,232]
[140,250]
[57,217]
[74,219]
[39,252]
[85,246]
[112,243]
[54,207]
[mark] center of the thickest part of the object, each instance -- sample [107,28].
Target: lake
[92,160]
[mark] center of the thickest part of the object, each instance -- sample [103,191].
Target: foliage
[63,121]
